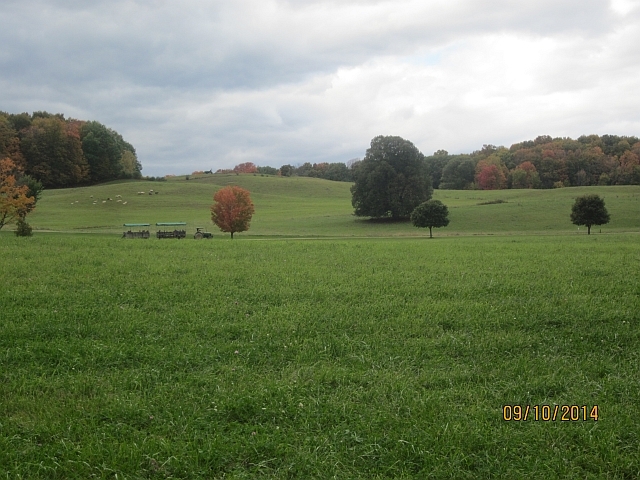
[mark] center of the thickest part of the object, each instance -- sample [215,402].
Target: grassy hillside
[300,206]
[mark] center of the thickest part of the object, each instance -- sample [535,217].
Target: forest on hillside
[545,162]
[65,152]
[541,163]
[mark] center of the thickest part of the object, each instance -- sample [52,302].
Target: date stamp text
[550,413]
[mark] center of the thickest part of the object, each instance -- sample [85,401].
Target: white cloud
[196,85]
[623,7]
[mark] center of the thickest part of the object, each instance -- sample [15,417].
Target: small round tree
[589,210]
[432,214]
[232,210]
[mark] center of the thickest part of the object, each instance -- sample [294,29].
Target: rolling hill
[302,206]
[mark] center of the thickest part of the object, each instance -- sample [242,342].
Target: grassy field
[345,358]
[299,206]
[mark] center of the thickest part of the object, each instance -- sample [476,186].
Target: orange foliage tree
[247,167]
[232,210]
[14,202]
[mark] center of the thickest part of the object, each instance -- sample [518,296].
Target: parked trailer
[138,234]
[175,233]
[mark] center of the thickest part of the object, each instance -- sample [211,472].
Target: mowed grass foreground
[317,358]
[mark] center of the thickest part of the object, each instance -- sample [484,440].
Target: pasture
[310,207]
[325,358]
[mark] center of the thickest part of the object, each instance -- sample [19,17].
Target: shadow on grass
[384,220]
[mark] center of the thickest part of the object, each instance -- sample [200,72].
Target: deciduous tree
[391,181]
[267,170]
[53,152]
[14,202]
[232,210]
[490,177]
[589,210]
[525,176]
[432,214]
[286,170]
[102,151]
[458,173]
[246,167]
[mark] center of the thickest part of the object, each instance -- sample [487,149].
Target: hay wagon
[169,233]
[139,234]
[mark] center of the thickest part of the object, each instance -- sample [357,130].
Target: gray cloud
[197,84]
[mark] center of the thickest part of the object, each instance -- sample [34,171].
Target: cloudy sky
[199,84]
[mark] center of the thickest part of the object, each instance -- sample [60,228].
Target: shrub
[23,229]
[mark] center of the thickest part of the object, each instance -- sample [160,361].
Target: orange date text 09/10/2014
[550,413]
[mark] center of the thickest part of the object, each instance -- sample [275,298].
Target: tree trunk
[588,229]
[231,235]
[430,235]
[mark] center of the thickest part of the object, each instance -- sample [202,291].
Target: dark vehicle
[200,234]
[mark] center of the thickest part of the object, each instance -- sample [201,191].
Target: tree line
[545,162]
[541,163]
[338,172]
[64,152]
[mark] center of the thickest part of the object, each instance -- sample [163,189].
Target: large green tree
[589,210]
[108,155]
[391,180]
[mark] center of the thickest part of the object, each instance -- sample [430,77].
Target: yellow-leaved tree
[14,202]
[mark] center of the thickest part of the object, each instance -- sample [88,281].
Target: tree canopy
[61,152]
[232,210]
[589,210]
[545,162]
[15,201]
[430,214]
[391,180]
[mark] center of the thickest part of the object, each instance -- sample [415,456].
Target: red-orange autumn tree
[490,177]
[246,167]
[14,202]
[232,210]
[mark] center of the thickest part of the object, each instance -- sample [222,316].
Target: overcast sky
[197,84]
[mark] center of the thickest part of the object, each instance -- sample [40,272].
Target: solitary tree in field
[391,180]
[430,214]
[15,201]
[232,210]
[589,210]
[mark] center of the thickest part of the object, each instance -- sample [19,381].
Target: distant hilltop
[545,162]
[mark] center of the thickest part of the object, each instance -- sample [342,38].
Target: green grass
[310,207]
[352,358]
